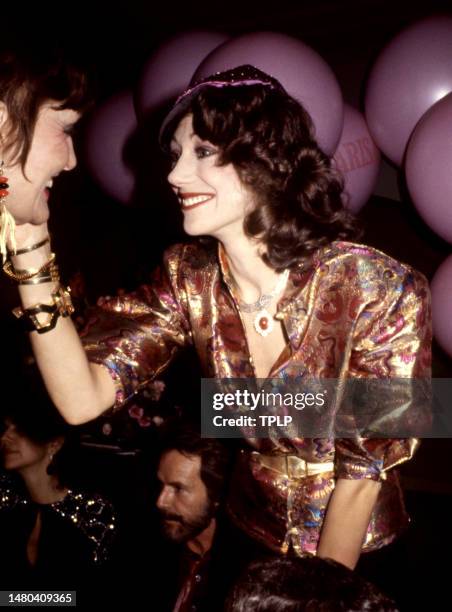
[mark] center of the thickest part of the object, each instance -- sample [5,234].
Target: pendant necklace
[263,321]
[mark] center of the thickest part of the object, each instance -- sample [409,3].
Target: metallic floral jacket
[351,311]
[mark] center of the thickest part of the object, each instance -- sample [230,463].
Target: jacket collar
[294,304]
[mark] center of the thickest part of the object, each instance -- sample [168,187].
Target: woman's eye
[203,151]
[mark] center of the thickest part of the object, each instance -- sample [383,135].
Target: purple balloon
[357,158]
[300,69]
[442,305]
[168,71]
[429,168]
[107,133]
[412,73]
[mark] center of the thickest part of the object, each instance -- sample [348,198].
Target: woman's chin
[39,215]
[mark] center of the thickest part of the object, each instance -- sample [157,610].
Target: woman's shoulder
[10,494]
[364,259]
[94,515]
[194,253]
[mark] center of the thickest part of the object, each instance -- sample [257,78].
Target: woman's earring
[50,466]
[7,223]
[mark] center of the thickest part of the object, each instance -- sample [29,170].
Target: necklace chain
[265,298]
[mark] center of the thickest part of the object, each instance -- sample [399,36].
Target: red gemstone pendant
[263,323]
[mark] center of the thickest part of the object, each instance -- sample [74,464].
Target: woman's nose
[182,172]
[71,158]
[8,434]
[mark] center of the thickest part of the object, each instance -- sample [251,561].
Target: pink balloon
[357,158]
[107,133]
[442,305]
[168,71]
[300,69]
[412,73]
[429,167]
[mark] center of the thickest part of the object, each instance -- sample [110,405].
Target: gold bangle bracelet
[61,306]
[38,280]
[33,247]
[22,275]
[52,274]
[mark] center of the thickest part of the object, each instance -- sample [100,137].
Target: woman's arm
[347,519]
[127,341]
[79,389]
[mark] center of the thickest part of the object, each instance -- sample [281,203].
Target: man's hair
[306,584]
[30,78]
[269,138]
[215,457]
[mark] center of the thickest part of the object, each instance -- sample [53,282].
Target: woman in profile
[279,293]
[53,534]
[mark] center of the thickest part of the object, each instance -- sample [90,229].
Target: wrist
[33,254]
[27,235]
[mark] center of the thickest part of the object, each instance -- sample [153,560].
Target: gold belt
[293,466]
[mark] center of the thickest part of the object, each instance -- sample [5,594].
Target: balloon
[357,158]
[442,305]
[107,133]
[300,69]
[168,71]
[412,73]
[428,168]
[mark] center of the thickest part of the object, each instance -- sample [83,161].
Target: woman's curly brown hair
[269,139]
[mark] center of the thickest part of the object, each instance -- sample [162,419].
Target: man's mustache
[167,516]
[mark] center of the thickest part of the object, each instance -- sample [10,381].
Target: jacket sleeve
[387,400]
[136,335]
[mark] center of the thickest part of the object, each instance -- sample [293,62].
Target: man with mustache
[192,472]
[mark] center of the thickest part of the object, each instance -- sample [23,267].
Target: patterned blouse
[349,312]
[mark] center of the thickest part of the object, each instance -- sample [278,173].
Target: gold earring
[7,222]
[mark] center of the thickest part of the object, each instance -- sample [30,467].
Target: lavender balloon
[412,73]
[357,158]
[300,69]
[429,168]
[442,305]
[169,70]
[107,133]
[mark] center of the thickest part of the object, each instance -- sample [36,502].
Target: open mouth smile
[193,200]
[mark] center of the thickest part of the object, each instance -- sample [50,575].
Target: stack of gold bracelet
[61,304]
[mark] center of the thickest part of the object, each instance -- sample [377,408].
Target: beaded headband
[241,76]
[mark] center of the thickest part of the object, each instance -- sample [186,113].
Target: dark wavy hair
[309,584]
[215,456]
[269,139]
[28,79]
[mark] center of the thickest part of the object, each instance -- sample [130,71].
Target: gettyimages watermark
[326,408]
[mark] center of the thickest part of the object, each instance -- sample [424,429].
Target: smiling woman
[283,295]
[41,98]
[213,199]
[51,152]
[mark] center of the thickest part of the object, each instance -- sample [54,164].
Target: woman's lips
[193,200]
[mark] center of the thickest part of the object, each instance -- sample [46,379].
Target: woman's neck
[251,274]
[43,488]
